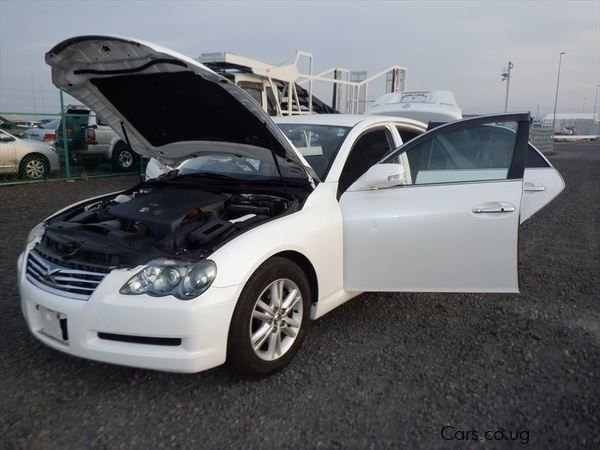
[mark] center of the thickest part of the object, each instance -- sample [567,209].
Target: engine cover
[164,209]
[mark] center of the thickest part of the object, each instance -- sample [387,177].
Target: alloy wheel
[125,159]
[276,319]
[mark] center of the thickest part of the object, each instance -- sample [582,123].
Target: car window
[242,167]
[5,137]
[223,163]
[475,153]
[407,135]
[534,159]
[319,144]
[367,151]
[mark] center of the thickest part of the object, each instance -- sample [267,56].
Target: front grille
[61,280]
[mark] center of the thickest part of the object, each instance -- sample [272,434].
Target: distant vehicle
[90,141]
[11,126]
[47,132]
[29,159]
[424,106]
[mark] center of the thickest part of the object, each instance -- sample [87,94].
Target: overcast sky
[455,45]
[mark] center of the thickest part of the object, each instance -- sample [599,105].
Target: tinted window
[319,144]
[367,151]
[475,153]
[407,135]
[534,159]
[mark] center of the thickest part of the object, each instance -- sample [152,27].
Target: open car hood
[170,107]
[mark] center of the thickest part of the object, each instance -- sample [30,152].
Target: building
[579,124]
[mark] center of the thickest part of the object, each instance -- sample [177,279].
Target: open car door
[541,183]
[445,216]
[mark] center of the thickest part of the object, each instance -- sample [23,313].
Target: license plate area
[54,324]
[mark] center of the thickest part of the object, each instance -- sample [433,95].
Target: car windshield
[251,167]
[319,144]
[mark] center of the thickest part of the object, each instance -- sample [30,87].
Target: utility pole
[33,95]
[556,96]
[506,77]
[583,109]
[596,103]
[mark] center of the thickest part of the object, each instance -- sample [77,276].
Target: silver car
[29,159]
[48,132]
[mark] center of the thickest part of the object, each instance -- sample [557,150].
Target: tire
[34,167]
[255,330]
[123,158]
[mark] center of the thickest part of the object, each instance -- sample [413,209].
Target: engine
[151,222]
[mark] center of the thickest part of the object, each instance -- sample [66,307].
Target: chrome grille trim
[60,280]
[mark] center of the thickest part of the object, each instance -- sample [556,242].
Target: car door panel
[418,238]
[540,187]
[453,227]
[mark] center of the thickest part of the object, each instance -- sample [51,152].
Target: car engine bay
[152,221]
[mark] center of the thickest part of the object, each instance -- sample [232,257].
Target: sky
[455,45]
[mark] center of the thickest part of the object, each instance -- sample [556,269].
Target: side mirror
[6,138]
[380,176]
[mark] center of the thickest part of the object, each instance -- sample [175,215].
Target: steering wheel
[244,163]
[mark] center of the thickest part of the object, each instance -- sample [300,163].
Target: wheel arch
[304,263]
[116,142]
[30,155]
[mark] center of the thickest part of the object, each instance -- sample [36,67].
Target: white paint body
[401,238]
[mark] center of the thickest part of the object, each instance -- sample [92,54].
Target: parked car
[47,132]
[30,160]
[90,141]
[230,257]
[11,127]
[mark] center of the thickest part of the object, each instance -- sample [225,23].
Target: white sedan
[229,257]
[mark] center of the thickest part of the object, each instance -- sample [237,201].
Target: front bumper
[201,324]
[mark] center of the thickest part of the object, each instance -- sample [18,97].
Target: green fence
[71,144]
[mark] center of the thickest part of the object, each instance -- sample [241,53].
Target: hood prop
[126,136]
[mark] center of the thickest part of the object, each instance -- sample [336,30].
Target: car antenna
[126,136]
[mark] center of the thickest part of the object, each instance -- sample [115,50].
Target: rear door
[541,183]
[453,226]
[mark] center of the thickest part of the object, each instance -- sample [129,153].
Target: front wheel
[270,319]
[34,167]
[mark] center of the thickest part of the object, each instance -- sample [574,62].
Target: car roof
[344,120]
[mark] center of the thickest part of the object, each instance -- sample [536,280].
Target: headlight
[36,232]
[162,277]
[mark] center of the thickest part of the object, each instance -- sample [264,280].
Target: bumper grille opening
[169,342]
[59,279]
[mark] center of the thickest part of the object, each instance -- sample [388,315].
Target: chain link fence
[72,144]
[541,136]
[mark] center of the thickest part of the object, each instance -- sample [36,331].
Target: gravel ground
[384,370]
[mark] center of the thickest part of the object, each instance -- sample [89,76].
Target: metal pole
[583,109]
[556,96]
[63,121]
[33,95]
[507,78]
[595,104]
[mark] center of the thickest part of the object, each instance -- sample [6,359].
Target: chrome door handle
[533,187]
[494,208]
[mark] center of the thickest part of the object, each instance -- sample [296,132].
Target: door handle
[533,187]
[494,208]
